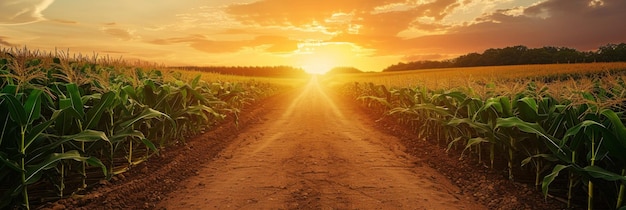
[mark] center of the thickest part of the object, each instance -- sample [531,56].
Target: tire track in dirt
[313,152]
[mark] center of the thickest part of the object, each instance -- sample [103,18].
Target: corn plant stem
[112,151]
[593,161]
[537,174]
[480,157]
[537,171]
[571,182]
[492,154]
[620,195]
[438,140]
[130,153]
[511,139]
[62,174]
[83,168]
[23,167]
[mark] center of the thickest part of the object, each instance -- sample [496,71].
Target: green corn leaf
[507,107]
[553,144]
[454,141]
[8,162]
[457,95]
[548,157]
[196,94]
[130,91]
[547,180]
[195,81]
[95,113]
[480,127]
[148,93]
[124,134]
[492,103]
[572,132]
[35,132]
[600,173]
[474,141]
[9,89]
[74,96]
[149,144]
[32,107]
[16,109]
[65,120]
[146,114]
[87,136]
[84,136]
[34,172]
[431,107]
[528,109]
[617,126]
[5,124]
[93,161]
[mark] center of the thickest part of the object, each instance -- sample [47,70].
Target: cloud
[578,24]
[64,21]
[369,17]
[277,44]
[5,43]
[272,44]
[17,12]
[554,22]
[299,13]
[376,24]
[122,34]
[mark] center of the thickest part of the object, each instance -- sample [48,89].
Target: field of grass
[546,120]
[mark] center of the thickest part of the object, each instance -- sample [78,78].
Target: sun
[319,64]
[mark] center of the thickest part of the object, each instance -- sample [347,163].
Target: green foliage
[60,117]
[530,129]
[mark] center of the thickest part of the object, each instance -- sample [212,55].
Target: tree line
[519,55]
[258,71]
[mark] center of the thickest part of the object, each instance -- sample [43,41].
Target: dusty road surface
[313,152]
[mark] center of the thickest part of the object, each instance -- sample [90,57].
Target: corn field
[67,122]
[568,133]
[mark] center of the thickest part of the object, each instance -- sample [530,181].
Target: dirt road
[311,152]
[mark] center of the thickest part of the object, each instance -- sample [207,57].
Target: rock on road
[313,152]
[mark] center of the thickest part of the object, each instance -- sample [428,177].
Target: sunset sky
[313,34]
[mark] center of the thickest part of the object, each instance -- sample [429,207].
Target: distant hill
[344,70]
[256,71]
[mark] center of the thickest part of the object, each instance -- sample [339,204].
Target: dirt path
[312,152]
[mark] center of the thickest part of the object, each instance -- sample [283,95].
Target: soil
[308,149]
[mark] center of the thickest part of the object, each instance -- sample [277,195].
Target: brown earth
[312,153]
[308,149]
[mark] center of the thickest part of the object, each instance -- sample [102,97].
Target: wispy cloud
[384,25]
[5,43]
[271,44]
[264,31]
[121,34]
[64,21]
[15,12]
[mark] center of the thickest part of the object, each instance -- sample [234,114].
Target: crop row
[581,136]
[67,122]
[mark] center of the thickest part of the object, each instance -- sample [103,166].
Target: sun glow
[319,64]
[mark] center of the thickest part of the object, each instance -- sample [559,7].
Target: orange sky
[313,34]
